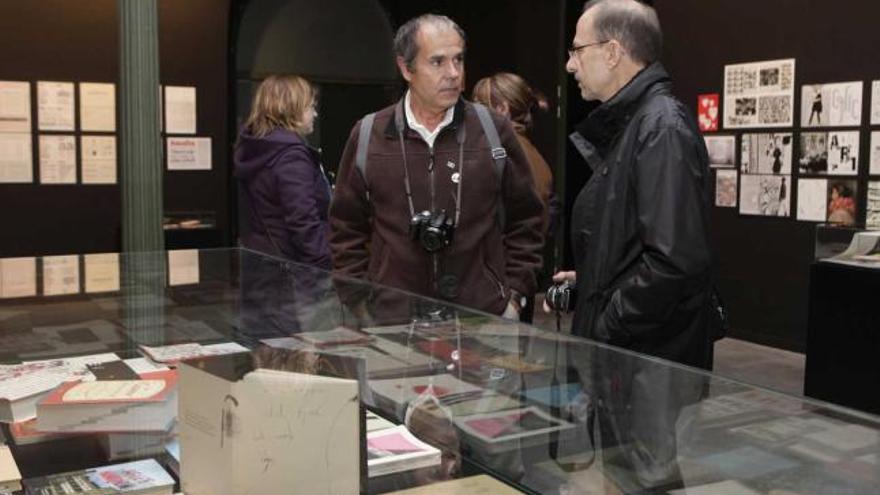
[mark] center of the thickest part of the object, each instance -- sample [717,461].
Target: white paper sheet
[102,272]
[18,277]
[97,107]
[183,267]
[872,217]
[875,153]
[812,200]
[875,103]
[830,105]
[846,438]
[766,195]
[98,159]
[759,94]
[180,109]
[16,158]
[189,153]
[55,102]
[60,275]
[57,159]
[15,106]
[722,151]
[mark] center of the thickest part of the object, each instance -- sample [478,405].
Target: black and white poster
[722,151]
[875,153]
[725,188]
[831,105]
[872,215]
[765,195]
[766,153]
[759,94]
[875,103]
[812,200]
[831,153]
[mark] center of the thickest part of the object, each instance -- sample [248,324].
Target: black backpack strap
[360,157]
[499,154]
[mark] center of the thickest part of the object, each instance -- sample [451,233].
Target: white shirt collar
[428,136]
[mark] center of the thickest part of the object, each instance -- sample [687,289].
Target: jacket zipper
[435,257]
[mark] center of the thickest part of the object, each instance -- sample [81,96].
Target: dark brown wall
[63,40]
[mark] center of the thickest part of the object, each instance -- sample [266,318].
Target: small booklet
[173,354]
[144,477]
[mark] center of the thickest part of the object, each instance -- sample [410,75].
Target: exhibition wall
[76,42]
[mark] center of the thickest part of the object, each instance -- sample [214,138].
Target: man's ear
[614,54]
[404,70]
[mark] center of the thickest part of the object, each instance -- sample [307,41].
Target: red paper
[707,112]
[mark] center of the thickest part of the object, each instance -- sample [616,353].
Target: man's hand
[558,278]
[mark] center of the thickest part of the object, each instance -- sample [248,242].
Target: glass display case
[462,393]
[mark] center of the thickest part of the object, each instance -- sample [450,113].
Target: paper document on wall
[102,272]
[759,94]
[98,159]
[97,107]
[180,109]
[60,275]
[189,153]
[55,102]
[183,266]
[57,159]
[15,106]
[18,277]
[16,158]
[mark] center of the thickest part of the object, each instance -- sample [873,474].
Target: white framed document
[57,159]
[55,103]
[98,159]
[180,109]
[18,277]
[60,275]
[102,272]
[97,107]
[15,106]
[16,158]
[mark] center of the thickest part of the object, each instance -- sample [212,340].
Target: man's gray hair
[405,44]
[632,23]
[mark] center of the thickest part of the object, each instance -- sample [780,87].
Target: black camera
[561,297]
[433,230]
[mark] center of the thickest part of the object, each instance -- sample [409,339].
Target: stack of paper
[23,385]
[147,404]
[395,449]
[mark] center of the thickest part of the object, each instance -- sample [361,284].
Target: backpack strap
[499,154]
[360,157]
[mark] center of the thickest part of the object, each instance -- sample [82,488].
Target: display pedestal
[843,341]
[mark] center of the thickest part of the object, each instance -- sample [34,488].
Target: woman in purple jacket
[285,194]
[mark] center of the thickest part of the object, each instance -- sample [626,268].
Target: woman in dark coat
[285,194]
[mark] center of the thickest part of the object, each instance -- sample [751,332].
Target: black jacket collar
[457,119]
[604,123]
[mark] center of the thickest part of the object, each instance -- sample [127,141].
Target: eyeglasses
[576,48]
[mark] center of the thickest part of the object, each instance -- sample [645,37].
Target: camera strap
[459,138]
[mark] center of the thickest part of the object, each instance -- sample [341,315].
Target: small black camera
[561,297]
[433,230]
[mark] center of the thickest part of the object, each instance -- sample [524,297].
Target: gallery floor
[744,361]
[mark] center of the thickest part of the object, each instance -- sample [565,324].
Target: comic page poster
[759,94]
[831,105]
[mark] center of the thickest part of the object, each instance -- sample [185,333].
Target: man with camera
[434,194]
